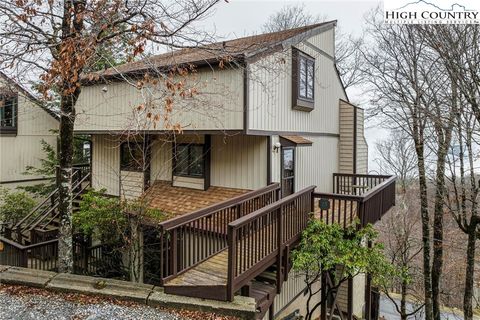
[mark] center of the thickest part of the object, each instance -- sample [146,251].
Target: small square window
[303,81]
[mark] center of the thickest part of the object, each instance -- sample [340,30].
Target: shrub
[14,205]
[101,216]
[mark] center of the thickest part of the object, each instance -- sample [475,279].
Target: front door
[288,171]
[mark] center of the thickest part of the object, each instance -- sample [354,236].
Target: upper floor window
[8,112]
[189,160]
[303,80]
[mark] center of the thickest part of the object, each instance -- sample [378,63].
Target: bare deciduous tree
[397,156]
[61,39]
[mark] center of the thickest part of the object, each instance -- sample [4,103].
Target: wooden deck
[208,278]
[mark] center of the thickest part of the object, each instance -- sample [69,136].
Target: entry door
[288,171]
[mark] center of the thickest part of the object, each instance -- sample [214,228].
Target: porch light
[276,147]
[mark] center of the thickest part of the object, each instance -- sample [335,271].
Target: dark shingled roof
[213,53]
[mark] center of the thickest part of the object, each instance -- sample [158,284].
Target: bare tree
[413,93]
[399,232]
[397,156]
[458,49]
[464,189]
[61,39]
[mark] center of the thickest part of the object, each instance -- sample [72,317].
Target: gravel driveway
[33,307]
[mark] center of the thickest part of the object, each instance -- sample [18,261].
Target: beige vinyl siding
[315,164]
[131,184]
[358,293]
[188,182]
[161,161]
[346,150]
[217,106]
[362,147]
[106,163]
[292,299]
[239,161]
[25,149]
[346,137]
[270,92]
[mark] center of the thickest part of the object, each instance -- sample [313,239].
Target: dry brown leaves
[90,299]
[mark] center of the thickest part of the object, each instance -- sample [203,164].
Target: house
[24,123]
[237,143]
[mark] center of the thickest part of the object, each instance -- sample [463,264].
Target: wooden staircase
[42,223]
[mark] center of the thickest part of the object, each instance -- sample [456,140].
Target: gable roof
[13,86]
[237,49]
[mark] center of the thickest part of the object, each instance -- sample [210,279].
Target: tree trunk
[136,250]
[437,263]
[469,277]
[425,231]
[403,301]
[65,245]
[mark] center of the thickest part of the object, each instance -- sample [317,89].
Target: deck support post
[286,262]
[246,289]
[323,296]
[271,313]
[368,293]
[174,243]
[350,299]
[232,253]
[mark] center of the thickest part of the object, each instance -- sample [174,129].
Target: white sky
[239,18]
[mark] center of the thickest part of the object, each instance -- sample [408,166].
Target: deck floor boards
[211,272]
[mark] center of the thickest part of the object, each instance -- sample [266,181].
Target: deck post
[323,297]
[162,255]
[350,299]
[173,245]
[368,294]
[231,271]
[286,262]
[280,250]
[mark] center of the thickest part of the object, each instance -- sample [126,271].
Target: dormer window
[8,113]
[303,81]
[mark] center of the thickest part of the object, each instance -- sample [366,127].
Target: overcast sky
[245,17]
[239,18]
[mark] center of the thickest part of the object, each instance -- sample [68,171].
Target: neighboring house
[24,123]
[266,139]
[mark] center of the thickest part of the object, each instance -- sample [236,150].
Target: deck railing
[259,239]
[40,256]
[363,197]
[188,240]
[356,184]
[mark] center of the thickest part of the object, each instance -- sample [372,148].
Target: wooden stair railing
[263,238]
[47,210]
[188,240]
[78,188]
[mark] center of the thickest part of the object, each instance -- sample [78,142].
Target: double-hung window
[8,113]
[303,81]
